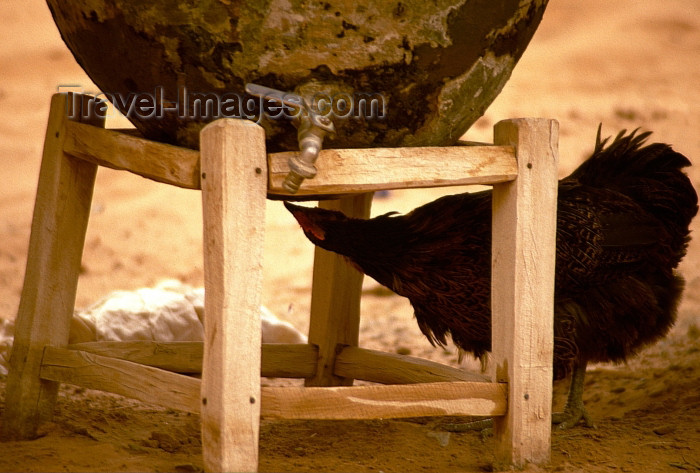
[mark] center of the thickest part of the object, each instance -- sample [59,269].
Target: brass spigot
[312,128]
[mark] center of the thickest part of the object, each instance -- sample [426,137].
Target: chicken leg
[574,411]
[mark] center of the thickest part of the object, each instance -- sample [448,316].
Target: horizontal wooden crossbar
[458,398]
[279,360]
[340,171]
[390,368]
[113,149]
[145,383]
[288,361]
[348,402]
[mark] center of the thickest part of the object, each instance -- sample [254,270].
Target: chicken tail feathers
[652,175]
[627,157]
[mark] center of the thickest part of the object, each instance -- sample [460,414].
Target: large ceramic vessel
[429,68]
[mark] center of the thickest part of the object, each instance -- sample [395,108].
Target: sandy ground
[626,64]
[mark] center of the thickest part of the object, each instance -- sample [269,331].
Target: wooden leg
[335,299]
[524,239]
[234,188]
[61,211]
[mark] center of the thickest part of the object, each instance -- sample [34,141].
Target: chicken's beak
[308,223]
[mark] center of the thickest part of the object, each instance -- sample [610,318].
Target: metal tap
[312,128]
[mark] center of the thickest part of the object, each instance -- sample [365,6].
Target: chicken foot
[574,411]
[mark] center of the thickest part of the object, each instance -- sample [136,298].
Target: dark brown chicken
[622,229]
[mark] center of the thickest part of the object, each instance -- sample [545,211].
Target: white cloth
[169,312]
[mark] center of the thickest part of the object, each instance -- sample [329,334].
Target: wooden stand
[236,176]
